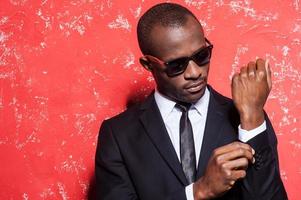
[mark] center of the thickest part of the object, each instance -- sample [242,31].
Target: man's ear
[144,61]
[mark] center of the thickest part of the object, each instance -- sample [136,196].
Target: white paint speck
[7,75]
[3,20]
[285,50]
[283,175]
[296,144]
[195,3]
[25,196]
[296,4]
[43,45]
[74,23]
[46,193]
[72,166]
[62,191]
[83,125]
[3,37]
[18,2]
[4,140]
[235,66]
[136,12]
[245,6]
[207,27]
[150,79]
[120,23]
[129,60]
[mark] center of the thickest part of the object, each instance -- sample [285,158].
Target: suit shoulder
[129,115]
[220,98]
[227,105]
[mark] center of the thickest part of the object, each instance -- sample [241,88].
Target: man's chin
[193,97]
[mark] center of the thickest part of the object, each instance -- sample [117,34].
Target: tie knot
[184,107]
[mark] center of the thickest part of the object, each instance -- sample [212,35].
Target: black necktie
[187,151]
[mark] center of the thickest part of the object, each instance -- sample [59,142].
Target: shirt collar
[166,105]
[202,104]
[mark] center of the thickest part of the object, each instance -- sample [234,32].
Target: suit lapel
[214,122]
[155,128]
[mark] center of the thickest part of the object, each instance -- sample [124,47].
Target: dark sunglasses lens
[176,67]
[203,57]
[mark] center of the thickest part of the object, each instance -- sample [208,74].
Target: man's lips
[195,87]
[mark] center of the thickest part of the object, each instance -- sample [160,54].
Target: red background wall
[67,65]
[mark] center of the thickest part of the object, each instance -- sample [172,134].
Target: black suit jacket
[135,158]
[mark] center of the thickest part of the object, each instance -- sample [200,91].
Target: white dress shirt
[197,115]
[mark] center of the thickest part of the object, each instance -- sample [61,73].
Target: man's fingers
[269,74]
[234,155]
[235,79]
[263,69]
[260,64]
[238,174]
[260,68]
[252,70]
[235,175]
[233,146]
[243,72]
[237,164]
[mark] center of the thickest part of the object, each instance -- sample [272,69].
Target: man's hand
[250,90]
[226,165]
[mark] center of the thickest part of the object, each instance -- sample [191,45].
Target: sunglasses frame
[187,59]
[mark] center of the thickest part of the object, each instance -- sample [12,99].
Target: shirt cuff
[244,135]
[189,192]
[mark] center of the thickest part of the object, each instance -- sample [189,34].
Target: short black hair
[164,14]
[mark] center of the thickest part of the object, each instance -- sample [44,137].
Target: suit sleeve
[263,179]
[112,178]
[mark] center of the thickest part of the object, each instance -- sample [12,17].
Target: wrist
[200,191]
[251,121]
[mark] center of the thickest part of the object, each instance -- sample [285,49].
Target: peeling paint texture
[65,66]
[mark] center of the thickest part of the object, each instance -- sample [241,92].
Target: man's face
[177,42]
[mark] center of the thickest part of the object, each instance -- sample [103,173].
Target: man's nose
[193,71]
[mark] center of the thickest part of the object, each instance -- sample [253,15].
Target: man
[186,141]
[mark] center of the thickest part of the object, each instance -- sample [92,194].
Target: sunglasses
[178,66]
